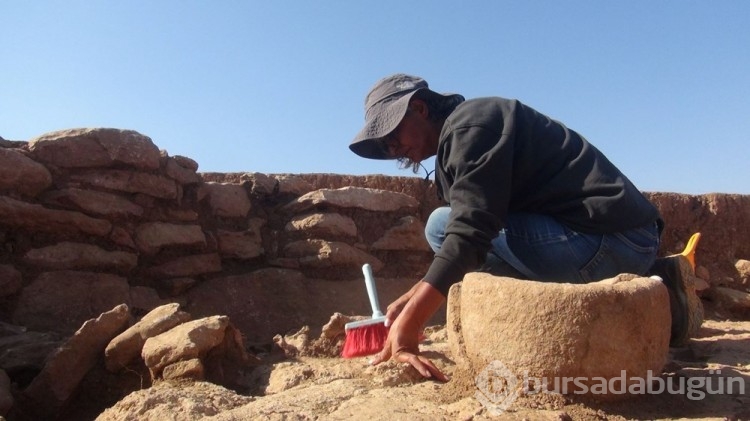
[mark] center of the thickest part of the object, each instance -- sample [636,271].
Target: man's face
[415,137]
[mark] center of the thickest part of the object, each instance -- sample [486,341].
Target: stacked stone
[171,345]
[94,218]
[87,213]
[350,226]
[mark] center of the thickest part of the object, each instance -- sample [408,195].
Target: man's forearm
[425,301]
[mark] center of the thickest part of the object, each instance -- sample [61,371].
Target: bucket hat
[385,107]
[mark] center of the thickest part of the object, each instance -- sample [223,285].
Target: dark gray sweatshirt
[498,156]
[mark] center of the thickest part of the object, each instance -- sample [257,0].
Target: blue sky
[660,86]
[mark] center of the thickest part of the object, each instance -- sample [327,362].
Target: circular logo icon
[497,387]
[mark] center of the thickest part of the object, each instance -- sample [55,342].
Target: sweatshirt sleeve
[477,162]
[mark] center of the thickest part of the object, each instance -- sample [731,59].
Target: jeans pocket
[633,251]
[640,240]
[599,266]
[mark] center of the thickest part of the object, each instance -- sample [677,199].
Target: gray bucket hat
[385,107]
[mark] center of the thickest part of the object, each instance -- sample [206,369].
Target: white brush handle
[372,292]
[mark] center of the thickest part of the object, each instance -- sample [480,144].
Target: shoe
[676,272]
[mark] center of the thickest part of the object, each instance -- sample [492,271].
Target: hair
[439,108]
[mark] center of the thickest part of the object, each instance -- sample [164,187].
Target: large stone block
[53,388]
[126,346]
[69,255]
[190,265]
[408,234]
[22,174]
[189,340]
[99,147]
[33,217]
[129,181]
[316,253]
[241,244]
[353,197]
[323,225]
[151,237]
[555,331]
[226,200]
[93,202]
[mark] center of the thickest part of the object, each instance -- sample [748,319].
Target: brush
[365,337]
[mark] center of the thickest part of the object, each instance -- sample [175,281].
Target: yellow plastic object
[689,251]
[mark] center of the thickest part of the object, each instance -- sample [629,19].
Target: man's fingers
[381,356]
[436,373]
[423,365]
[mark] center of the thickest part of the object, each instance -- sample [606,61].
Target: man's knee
[434,230]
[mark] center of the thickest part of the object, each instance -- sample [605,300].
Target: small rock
[128,345]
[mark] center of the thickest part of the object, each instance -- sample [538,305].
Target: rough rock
[318,253]
[186,162]
[127,346]
[731,299]
[93,202]
[226,200]
[121,237]
[241,244]
[22,174]
[353,197]
[182,215]
[69,255]
[33,217]
[129,181]
[328,344]
[24,351]
[325,225]
[176,401]
[743,271]
[51,390]
[187,266]
[100,147]
[189,340]
[144,299]
[6,397]
[152,237]
[61,301]
[182,170]
[192,369]
[260,184]
[292,184]
[407,235]
[241,298]
[10,280]
[553,330]
[176,286]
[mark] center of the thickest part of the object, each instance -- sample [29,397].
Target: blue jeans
[540,248]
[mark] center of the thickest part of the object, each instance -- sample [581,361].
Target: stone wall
[93,218]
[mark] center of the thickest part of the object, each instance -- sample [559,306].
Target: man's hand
[403,338]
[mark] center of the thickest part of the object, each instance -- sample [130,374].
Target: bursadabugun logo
[497,387]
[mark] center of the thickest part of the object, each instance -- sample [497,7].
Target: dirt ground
[324,387]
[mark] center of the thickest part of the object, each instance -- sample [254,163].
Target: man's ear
[420,107]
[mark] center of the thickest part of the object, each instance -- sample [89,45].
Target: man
[529,198]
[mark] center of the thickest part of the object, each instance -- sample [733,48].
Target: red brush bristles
[364,340]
